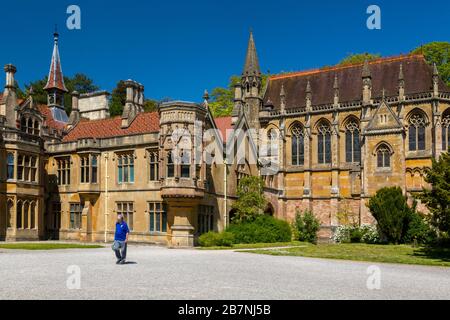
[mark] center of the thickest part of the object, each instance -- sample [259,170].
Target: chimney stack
[75,113]
[10,70]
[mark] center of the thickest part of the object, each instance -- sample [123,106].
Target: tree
[306,226]
[437,199]
[251,202]
[437,52]
[79,82]
[118,98]
[390,208]
[359,58]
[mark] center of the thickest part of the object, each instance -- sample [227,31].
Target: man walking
[121,239]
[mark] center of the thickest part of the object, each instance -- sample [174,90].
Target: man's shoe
[122,261]
[118,261]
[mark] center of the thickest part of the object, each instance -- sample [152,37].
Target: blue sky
[179,48]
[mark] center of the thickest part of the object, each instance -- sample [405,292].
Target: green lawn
[364,252]
[46,246]
[255,246]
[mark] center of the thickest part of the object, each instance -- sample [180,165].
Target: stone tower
[55,86]
[248,98]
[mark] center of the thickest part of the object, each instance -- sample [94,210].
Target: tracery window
[352,145]
[446,131]
[324,143]
[383,157]
[417,126]
[298,145]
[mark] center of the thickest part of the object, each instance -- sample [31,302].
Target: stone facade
[335,135]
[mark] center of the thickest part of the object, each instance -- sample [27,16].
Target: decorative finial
[384,93]
[435,69]
[282,91]
[366,70]
[206,95]
[336,82]
[401,76]
[308,87]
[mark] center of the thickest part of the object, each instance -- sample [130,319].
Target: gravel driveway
[160,273]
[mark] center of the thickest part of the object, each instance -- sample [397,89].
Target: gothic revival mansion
[337,135]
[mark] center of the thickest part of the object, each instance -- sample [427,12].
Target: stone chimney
[94,105]
[9,100]
[135,94]
[75,113]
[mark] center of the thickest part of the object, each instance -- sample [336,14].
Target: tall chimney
[75,113]
[10,82]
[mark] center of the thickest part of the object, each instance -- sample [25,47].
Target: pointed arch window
[10,166]
[324,143]
[446,131]
[272,145]
[352,145]
[383,157]
[298,145]
[417,126]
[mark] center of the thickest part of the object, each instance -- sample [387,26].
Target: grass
[255,246]
[46,246]
[403,254]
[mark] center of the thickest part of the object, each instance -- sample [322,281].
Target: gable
[384,120]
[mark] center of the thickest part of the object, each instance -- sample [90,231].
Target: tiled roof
[418,76]
[223,124]
[55,75]
[146,122]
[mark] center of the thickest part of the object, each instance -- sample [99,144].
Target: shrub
[390,208]
[370,234]
[264,229]
[418,230]
[251,201]
[356,234]
[306,226]
[214,239]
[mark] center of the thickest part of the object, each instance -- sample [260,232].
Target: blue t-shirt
[121,231]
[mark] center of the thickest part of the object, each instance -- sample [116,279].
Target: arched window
[446,131]
[19,210]
[33,215]
[272,143]
[170,165]
[298,145]
[352,147]
[10,168]
[383,157]
[324,143]
[10,212]
[417,125]
[26,209]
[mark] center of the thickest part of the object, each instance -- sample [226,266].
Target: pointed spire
[435,70]
[366,70]
[384,94]
[251,67]
[401,76]
[282,91]
[55,75]
[308,87]
[336,82]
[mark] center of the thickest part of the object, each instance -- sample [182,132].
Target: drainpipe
[225,185]
[106,197]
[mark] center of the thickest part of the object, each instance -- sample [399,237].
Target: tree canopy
[359,58]
[437,52]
